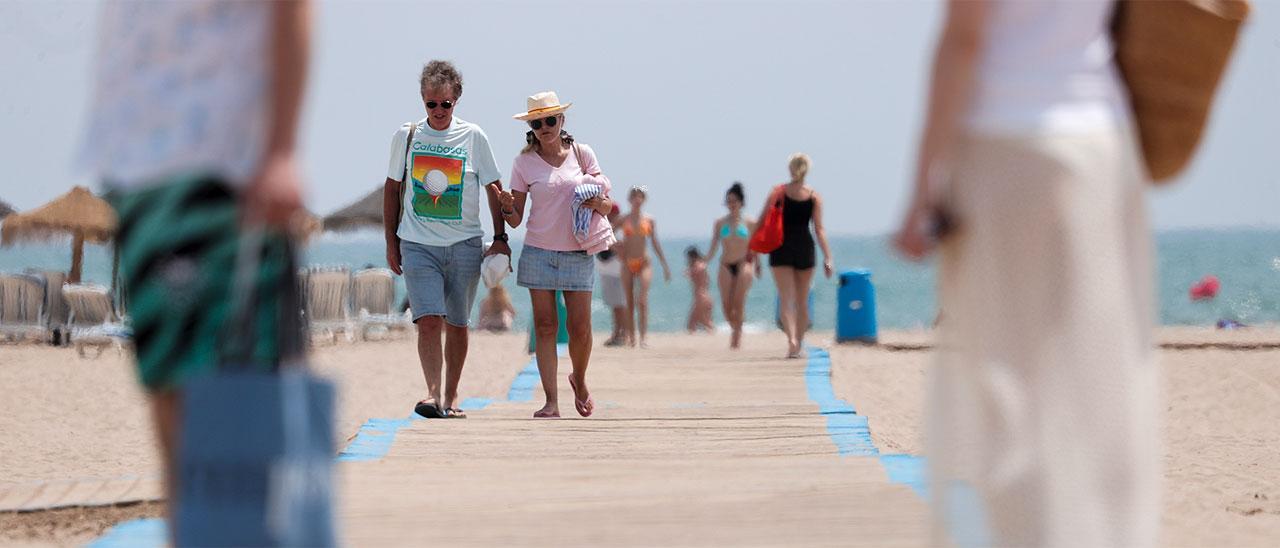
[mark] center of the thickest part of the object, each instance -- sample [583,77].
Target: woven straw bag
[1172,54]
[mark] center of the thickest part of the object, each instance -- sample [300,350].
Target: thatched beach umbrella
[365,212]
[87,218]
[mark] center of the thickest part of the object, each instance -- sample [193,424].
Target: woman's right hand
[507,200]
[393,258]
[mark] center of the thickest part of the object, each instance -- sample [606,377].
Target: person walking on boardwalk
[567,226]
[431,217]
[1044,391]
[793,262]
[738,265]
[611,292]
[193,161]
[638,230]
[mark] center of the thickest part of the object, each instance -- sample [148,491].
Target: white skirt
[1043,420]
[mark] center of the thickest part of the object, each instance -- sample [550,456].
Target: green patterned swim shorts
[178,243]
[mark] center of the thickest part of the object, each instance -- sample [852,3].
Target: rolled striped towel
[582,215]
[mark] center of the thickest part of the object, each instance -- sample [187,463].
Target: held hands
[506,200]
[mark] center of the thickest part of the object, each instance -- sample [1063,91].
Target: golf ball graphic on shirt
[437,186]
[436,182]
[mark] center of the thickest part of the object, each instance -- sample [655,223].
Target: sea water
[1246,261]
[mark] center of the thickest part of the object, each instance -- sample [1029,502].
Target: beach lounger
[327,295]
[54,305]
[22,307]
[92,321]
[373,297]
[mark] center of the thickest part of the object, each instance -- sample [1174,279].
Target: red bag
[768,236]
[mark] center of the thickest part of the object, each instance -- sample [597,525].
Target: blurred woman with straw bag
[1043,426]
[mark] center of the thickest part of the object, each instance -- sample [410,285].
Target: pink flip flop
[584,407]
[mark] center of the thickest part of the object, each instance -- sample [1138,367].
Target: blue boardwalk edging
[372,442]
[850,431]
[138,533]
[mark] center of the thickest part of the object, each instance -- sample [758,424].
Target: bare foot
[548,411]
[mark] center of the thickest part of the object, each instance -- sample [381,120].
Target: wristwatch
[500,237]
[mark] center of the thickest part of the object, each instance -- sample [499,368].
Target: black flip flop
[429,410]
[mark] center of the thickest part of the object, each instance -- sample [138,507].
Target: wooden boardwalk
[690,445]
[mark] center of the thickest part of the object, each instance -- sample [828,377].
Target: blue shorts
[442,280]
[558,270]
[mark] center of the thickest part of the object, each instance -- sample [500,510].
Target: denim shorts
[442,280]
[558,270]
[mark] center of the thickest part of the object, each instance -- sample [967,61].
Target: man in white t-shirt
[433,231]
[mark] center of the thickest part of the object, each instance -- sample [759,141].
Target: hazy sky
[684,97]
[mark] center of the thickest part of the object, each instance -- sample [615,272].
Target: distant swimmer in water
[738,265]
[700,281]
[638,230]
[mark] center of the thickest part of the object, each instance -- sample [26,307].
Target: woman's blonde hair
[799,166]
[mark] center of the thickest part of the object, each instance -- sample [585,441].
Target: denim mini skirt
[555,270]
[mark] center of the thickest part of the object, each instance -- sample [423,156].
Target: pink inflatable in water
[1205,289]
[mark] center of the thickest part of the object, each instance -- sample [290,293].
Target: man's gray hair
[440,74]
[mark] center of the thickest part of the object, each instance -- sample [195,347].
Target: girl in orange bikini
[638,230]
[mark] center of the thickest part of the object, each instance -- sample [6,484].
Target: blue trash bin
[856,308]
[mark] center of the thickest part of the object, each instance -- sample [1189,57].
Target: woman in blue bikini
[738,264]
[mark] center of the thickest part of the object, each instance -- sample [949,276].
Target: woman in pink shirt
[549,169]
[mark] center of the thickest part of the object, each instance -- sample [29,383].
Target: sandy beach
[65,418]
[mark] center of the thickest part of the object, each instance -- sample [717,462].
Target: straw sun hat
[542,105]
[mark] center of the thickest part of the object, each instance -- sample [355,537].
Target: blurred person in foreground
[192,129]
[1043,412]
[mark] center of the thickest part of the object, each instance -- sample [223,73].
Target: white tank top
[1047,67]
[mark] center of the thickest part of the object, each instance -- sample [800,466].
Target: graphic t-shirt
[441,204]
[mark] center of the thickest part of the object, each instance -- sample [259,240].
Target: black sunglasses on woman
[550,121]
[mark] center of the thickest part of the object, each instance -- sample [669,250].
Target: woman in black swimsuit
[793,262]
[738,267]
